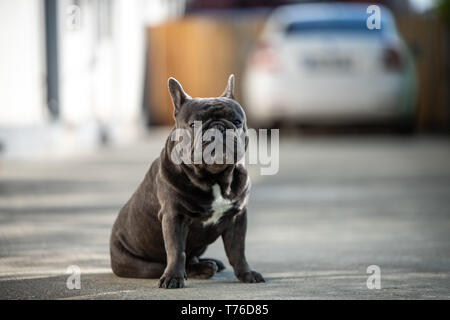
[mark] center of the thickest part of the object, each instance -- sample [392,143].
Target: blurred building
[76,73]
[72,71]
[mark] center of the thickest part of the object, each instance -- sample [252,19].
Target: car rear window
[339,26]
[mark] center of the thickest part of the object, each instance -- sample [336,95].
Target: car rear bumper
[379,99]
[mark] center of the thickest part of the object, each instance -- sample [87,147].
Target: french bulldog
[179,209]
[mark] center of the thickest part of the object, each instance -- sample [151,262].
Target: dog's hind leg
[201,269]
[220,265]
[126,265]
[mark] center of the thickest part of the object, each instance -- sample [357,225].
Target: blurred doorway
[51,56]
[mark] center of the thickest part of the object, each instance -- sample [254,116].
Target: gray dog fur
[161,231]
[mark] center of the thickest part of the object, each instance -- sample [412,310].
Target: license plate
[335,63]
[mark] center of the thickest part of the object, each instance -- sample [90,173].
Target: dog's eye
[237,123]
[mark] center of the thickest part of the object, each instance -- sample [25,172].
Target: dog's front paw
[171,280]
[251,277]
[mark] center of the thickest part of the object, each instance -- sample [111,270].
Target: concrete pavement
[337,206]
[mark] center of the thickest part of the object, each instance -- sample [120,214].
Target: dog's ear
[229,91]
[177,93]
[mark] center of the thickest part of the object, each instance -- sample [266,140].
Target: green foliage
[443,7]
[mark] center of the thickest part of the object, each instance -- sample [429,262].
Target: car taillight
[264,57]
[392,59]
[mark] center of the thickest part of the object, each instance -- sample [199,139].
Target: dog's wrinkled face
[211,121]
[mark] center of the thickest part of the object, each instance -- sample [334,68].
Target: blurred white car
[320,62]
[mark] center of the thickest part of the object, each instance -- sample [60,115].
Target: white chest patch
[219,206]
